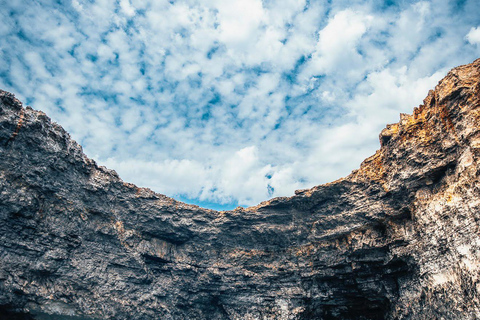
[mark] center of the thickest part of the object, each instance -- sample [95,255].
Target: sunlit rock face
[397,239]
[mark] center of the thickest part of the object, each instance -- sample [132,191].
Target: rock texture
[396,239]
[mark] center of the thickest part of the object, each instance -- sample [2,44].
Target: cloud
[239,21]
[338,41]
[473,35]
[230,102]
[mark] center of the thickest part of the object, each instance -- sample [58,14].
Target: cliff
[399,238]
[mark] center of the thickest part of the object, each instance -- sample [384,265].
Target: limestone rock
[399,238]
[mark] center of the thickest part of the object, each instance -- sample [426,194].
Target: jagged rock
[396,239]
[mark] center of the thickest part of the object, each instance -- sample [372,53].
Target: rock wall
[397,239]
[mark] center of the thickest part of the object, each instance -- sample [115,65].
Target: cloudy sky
[230,102]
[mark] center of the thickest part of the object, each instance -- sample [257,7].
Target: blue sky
[226,103]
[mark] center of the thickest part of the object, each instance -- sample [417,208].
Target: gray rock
[397,239]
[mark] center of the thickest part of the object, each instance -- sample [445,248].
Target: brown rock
[397,239]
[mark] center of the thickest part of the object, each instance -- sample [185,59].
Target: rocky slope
[396,239]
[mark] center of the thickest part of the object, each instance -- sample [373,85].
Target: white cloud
[230,101]
[239,21]
[337,43]
[473,35]
[127,8]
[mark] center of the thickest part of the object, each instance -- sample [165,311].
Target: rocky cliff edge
[398,238]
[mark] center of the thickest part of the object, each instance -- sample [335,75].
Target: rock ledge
[397,239]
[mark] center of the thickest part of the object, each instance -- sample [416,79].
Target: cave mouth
[8,312]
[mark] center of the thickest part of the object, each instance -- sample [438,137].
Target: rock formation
[398,238]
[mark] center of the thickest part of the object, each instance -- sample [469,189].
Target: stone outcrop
[398,238]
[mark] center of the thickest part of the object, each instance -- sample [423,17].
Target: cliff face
[399,238]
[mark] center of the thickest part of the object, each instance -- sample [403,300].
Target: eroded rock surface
[396,239]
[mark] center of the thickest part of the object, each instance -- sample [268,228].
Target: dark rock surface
[399,238]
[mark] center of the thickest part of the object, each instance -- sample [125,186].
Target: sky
[227,103]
